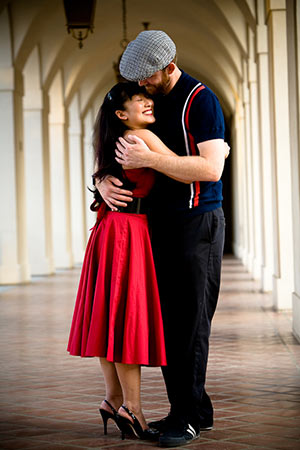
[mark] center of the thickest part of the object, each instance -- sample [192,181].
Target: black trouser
[188,253]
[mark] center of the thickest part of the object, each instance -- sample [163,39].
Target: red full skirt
[117,312]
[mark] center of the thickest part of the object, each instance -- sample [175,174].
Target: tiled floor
[49,399]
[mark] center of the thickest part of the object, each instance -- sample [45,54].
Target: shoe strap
[111,407]
[129,412]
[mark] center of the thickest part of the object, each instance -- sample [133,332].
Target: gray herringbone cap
[151,51]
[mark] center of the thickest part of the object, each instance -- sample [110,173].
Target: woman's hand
[226,150]
[112,193]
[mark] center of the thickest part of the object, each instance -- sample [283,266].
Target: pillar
[38,231]
[14,263]
[248,208]
[254,156]
[76,181]
[283,278]
[265,150]
[59,177]
[238,166]
[293,35]
[88,123]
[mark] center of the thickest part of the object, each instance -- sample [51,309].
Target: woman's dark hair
[108,128]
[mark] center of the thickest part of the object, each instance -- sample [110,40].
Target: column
[40,255]
[239,195]
[59,178]
[248,213]
[88,123]
[14,264]
[293,36]
[255,181]
[265,150]
[283,278]
[77,186]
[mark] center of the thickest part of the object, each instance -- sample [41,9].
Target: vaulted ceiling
[211,38]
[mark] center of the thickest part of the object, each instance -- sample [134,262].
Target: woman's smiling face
[138,112]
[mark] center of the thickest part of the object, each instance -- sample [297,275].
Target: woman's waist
[138,205]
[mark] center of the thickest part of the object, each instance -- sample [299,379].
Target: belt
[137,206]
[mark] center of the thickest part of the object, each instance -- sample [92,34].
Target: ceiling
[211,38]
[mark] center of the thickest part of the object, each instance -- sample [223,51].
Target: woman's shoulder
[141,133]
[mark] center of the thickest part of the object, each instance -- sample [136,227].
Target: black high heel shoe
[149,434]
[114,415]
[109,415]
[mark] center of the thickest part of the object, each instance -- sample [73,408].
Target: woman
[117,314]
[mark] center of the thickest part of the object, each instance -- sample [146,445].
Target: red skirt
[117,312]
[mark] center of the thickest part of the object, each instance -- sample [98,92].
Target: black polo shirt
[188,115]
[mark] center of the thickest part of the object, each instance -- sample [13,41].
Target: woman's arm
[155,145]
[151,140]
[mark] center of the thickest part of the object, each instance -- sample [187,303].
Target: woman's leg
[130,379]
[112,385]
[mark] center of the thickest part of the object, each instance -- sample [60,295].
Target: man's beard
[162,88]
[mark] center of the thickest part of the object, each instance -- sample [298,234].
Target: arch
[5,40]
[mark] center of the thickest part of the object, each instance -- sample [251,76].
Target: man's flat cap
[151,51]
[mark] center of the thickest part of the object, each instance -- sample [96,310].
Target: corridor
[49,400]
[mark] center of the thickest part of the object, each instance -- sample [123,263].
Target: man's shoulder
[191,84]
[188,82]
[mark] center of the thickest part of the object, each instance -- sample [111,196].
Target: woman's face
[138,112]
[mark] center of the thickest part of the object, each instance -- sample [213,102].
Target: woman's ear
[121,114]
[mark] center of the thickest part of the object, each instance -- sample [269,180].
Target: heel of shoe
[135,426]
[105,416]
[124,426]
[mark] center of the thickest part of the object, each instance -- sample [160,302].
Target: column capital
[11,79]
[7,79]
[274,5]
[261,39]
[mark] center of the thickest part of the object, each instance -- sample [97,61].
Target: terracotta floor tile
[225,434]
[47,446]
[217,445]
[18,444]
[49,400]
[273,442]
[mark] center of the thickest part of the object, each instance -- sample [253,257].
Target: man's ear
[121,114]
[171,67]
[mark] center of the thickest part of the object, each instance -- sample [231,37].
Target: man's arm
[154,144]
[110,188]
[113,194]
[208,166]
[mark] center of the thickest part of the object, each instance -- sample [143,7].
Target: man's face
[158,83]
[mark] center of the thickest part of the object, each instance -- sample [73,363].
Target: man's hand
[112,193]
[133,154]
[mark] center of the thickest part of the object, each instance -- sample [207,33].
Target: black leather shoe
[206,427]
[162,425]
[175,437]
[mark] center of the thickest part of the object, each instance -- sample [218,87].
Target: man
[187,222]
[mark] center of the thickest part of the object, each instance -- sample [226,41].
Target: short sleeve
[206,120]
